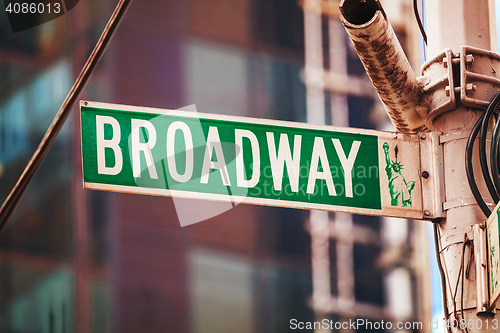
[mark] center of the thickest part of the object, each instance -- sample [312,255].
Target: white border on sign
[247,120]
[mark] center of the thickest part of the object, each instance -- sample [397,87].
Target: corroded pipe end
[385,62]
[359,12]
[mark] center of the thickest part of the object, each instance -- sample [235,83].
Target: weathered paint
[386,65]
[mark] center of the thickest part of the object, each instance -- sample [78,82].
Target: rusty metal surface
[390,72]
[438,84]
[480,76]
[431,164]
[473,75]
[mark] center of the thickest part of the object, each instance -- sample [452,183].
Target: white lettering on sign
[144,137]
[145,147]
[112,143]
[283,156]
[239,134]
[347,163]
[188,148]
[319,155]
[213,143]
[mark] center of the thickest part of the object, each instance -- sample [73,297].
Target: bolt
[425,174]
[86,103]
[469,59]
[445,62]
[482,225]
[427,212]
[447,91]
[483,264]
[422,136]
[470,87]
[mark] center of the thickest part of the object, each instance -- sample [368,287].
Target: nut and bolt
[469,59]
[470,87]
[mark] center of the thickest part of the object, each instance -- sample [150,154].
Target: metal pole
[451,24]
[36,160]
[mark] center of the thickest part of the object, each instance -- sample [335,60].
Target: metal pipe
[385,62]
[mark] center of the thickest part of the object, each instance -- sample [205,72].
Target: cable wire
[495,140]
[470,171]
[495,102]
[441,273]
[466,242]
[36,160]
[491,172]
[419,21]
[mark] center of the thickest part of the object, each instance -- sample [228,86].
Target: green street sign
[492,234]
[245,160]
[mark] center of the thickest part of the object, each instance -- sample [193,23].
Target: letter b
[112,143]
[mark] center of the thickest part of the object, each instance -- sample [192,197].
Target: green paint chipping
[399,188]
[493,235]
[494,266]
[494,257]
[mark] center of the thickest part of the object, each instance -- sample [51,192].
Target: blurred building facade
[73,260]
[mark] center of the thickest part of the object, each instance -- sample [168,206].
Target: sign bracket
[432,175]
[481,259]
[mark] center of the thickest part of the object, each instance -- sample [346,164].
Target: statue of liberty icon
[399,188]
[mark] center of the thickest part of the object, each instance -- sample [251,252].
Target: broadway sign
[245,160]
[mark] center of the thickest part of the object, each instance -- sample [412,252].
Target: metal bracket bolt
[470,87]
[470,76]
[469,59]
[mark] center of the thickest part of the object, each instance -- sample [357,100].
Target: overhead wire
[36,160]
[419,21]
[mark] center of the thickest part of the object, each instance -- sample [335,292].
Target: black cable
[39,155]
[455,294]
[495,140]
[469,170]
[466,241]
[495,102]
[441,273]
[419,21]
